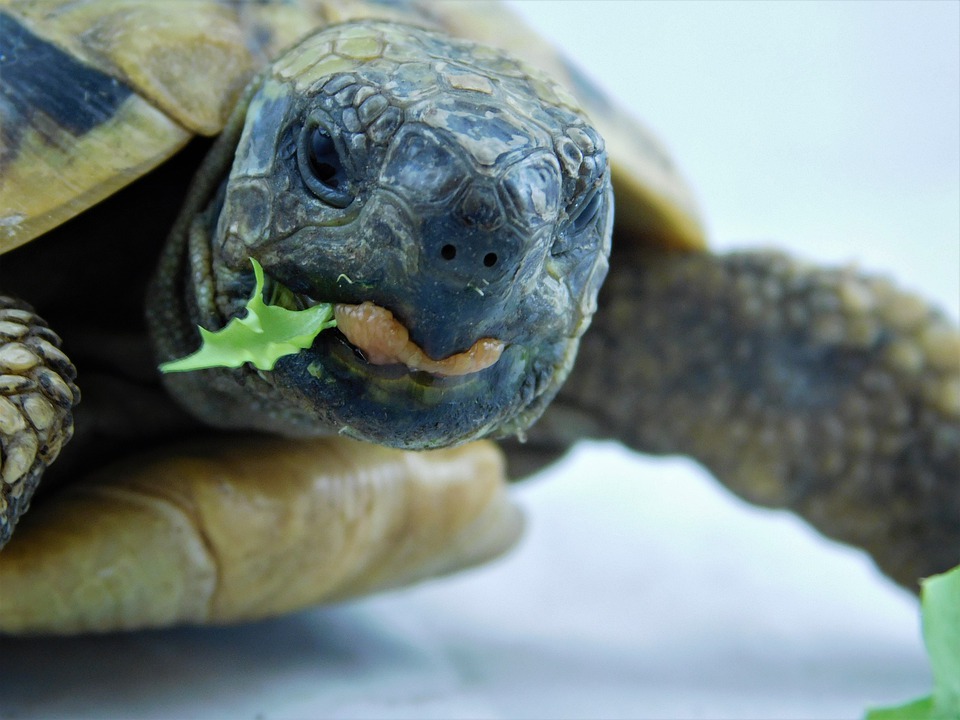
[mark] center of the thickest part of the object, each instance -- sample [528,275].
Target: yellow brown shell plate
[89,101]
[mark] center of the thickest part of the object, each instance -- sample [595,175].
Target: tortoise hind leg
[37,395]
[823,391]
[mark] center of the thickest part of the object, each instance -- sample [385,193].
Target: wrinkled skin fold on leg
[244,528]
[828,392]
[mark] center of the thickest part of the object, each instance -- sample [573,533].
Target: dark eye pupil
[324,159]
[588,212]
[320,166]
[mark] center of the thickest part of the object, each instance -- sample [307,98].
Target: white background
[641,589]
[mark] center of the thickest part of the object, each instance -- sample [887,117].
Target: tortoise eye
[321,166]
[587,213]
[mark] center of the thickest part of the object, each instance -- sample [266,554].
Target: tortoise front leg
[37,395]
[239,528]
[824,391]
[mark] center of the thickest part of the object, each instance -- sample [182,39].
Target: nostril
[448,252]
[490,259]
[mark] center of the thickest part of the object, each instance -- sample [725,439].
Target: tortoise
[166,509]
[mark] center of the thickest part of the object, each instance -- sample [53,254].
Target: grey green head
[440,180]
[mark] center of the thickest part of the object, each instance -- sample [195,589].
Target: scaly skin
[37,395]
[469,197]
[828,392]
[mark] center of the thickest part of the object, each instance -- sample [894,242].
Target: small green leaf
[266,334]
[916,710]
[941,633]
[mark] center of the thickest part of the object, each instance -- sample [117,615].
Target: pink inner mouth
[385,341]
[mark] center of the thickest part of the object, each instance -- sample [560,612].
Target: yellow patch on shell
[192,63]
[56,175]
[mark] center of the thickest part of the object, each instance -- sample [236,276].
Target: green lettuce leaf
[941,633]
[263,336]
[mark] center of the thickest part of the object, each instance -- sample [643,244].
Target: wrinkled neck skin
[433,178]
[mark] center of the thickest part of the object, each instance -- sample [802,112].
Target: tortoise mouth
[384,340]
[379,339]
[371,381]
[335,355]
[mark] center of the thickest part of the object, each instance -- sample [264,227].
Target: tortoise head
[438,180]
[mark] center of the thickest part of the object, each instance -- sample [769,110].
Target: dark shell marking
[37,77]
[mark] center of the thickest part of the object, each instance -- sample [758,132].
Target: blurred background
[641,589]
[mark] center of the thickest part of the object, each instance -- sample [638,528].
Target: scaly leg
[37,395]
[827,392]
